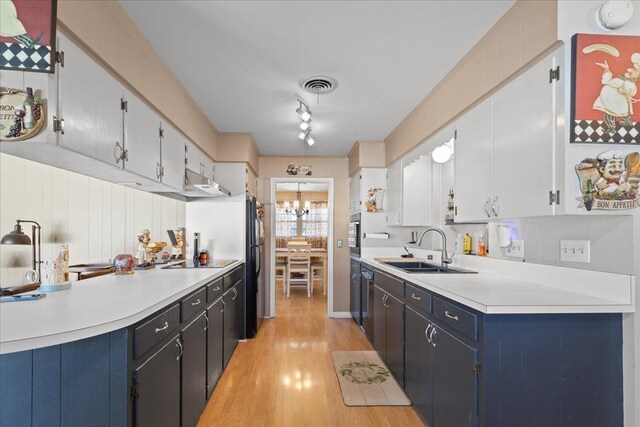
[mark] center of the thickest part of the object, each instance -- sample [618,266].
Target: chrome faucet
[445,257]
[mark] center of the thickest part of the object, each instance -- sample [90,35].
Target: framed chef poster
[604,93]
[27,35]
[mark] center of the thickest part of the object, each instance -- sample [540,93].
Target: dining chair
[281,273]
[299,268]
[317,273]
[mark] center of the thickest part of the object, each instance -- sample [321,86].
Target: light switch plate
[515,249]
[340,244]
[575,250]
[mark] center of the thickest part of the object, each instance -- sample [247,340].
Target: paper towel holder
[375,235]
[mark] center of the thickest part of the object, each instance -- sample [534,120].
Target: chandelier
[297,210]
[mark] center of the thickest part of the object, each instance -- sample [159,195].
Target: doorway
[315,228]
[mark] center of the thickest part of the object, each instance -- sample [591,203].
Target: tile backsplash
[97,219]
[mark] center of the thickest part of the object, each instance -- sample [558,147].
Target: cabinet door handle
[217,288]
[495,206]
[196,302]
[206,318]
[487,206]
[163,328]
[235,294]
[432,336]
[450,316]
[179,343]
[417,298]
[158,170]
[223,305]
[426,333]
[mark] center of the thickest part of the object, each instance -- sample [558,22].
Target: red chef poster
[27,34]
[604,89]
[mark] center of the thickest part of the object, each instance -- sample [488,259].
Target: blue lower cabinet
[455,383]
[158,372]
[194,370]
[215,353]
[156,387]
[418,382]
[464,368]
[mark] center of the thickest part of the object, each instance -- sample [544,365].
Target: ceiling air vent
[318,84]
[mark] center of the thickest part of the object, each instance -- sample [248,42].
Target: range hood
[199,186]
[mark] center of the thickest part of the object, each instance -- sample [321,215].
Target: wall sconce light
[17,237]
[614,14]
[444,152]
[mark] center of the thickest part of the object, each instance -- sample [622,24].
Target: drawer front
[389,283]
[215,289]
[455,316]
[193,304]
[155,330]
[231,278]
[418,298]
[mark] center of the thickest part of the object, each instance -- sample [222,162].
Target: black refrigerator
[255,292]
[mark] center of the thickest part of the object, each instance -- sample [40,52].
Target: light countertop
[97,306]
[494,294]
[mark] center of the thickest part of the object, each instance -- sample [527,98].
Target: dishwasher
[367,295]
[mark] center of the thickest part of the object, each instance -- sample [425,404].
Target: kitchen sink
[419,267]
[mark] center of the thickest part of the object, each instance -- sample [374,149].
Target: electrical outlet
[340,244]
[575,250]
[516,249]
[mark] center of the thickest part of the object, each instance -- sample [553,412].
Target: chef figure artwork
[609,181]
[143,254]
[605,89]
[617,94]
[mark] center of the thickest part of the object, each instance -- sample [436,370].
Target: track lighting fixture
[305,125]
[303,111]
[310,141]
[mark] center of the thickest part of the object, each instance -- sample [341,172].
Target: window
[286,226]
[315,225]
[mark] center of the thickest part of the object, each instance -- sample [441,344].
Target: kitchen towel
[366,381]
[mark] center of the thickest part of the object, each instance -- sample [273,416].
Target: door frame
[272,240]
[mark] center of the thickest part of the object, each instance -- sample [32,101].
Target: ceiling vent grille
[318,84]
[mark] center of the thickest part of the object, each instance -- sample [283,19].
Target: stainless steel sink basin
[419,267]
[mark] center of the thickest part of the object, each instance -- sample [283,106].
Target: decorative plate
[11,125]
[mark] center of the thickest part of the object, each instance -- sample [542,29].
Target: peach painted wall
[323,167]
[367,154]
[105,31]
[238,147]
[525,32]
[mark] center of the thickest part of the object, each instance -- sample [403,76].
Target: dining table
[317,254]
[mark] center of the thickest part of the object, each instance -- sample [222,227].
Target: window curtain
[315,225]
[286,225]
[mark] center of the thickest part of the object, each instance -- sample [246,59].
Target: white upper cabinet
[473,164]
[524,144]
[142,138]
[194,157]
[89,105]
[417,192]
[173,157]
[505,150]
[393,197]
[354,192]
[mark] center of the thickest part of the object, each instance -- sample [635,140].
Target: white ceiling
[291,186]
[241,61]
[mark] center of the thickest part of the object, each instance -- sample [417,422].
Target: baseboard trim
[341,315]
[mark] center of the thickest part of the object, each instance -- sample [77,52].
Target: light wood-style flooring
[285,377]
